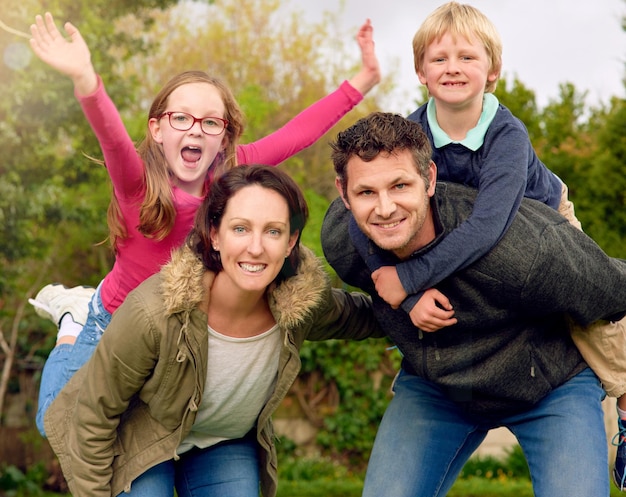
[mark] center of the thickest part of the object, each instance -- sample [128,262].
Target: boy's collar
[475,136]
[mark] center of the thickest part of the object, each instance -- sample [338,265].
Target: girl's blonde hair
[157,213]
[459,20]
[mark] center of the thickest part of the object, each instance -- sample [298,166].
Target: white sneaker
[55,300]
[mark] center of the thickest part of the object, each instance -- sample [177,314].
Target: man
[509,359]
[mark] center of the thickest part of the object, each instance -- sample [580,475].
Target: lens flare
[17,56]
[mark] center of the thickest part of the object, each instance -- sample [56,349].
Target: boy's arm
[429,311]
[502,184]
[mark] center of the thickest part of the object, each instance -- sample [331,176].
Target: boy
[479,143]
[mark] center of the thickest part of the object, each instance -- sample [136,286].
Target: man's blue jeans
[424,440]
[229,469]
[65,359]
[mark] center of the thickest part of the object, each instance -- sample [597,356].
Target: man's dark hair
[381,132]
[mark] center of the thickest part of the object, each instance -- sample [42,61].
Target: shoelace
[617,440]
[620,437]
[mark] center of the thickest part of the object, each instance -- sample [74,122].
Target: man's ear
[432,174]
[339,187]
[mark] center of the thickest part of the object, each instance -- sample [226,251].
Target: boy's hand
[388,286]
[428,316]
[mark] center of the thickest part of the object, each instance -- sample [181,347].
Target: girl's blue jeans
[424,440]
[66,359]
[228,469]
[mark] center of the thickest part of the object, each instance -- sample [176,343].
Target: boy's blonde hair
[459,20]
[157,213]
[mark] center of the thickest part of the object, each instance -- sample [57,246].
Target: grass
[321,477]
[352,487]
[472,487]
[464,487]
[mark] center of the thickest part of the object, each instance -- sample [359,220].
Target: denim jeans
[228,469]
[66,359]
[424,440]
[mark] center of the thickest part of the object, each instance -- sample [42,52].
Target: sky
[546,42]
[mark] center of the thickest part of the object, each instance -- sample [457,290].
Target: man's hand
[388,286]
[428,316]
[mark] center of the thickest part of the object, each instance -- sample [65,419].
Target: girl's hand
[369,75]
[71,58]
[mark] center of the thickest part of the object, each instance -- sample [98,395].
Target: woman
[164,403]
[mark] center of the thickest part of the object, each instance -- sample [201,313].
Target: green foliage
[310,469]
[317,209]
[316,477]
[605,176]
[481,487]
[521,101]
[320,488]
[362,372]
[513,465]
[15,483]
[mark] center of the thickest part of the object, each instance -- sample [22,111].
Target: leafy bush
[512,466]
[362,373]
[309,469]
[14,483]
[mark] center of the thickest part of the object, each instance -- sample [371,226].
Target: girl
[194,125]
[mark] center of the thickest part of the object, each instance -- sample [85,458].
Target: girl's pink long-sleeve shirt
[139,257]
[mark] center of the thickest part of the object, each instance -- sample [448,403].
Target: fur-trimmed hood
[159,337]
[185,279]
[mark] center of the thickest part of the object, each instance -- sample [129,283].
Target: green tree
[606,179]
[53,199]
[522,103]
[565,143]
[582,146]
